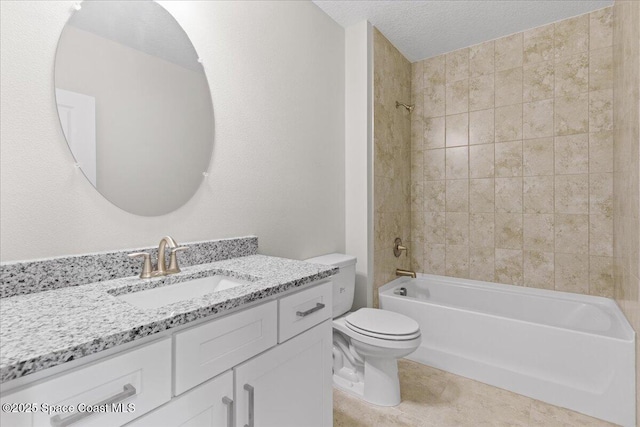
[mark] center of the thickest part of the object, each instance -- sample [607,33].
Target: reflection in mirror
[134,104]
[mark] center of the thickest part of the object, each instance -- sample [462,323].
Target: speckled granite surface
[25,277]
[45,329]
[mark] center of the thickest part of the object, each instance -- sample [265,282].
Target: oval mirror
[134,104]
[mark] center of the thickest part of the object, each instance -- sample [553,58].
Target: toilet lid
[381,323]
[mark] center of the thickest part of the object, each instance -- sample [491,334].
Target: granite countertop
[46,329]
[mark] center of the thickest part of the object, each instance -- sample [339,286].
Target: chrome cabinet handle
[229,404]
[319,306]
[57,421]
[251,404]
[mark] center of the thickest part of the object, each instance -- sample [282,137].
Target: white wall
[358,157]
[276,72]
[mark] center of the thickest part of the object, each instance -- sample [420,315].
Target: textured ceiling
[422,29]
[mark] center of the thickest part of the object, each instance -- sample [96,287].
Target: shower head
[408,107]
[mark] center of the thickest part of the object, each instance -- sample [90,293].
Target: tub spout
[400,272]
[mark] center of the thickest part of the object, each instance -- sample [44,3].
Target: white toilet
[367,343]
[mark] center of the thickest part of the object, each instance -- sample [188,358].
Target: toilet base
[380,385]
[383,384]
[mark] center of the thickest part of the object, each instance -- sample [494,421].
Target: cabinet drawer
[302,310]
[202,406]
[207,350]
[126,386]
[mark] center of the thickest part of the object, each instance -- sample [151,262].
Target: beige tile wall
[392,161]
[626,161]
[514,173]
[512,159]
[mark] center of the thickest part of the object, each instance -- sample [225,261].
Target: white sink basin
[164,295]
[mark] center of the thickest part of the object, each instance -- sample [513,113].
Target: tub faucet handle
[398,248]
[146,266]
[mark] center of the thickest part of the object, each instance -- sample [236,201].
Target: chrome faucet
[161,266]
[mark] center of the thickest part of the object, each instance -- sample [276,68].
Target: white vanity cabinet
[267,365]
[288,385]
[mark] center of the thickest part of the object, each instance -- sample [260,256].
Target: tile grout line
[588,155]
[553,151]
[494,164]
[468,164]
[522,170]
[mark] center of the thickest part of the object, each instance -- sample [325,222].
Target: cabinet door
[208,405]
[289,385]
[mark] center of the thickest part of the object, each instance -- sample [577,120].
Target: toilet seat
[388,342]
[382,324]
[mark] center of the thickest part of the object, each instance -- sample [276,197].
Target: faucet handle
[146,266]
[398,248]
[173,259]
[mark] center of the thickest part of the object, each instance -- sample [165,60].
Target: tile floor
[431,397]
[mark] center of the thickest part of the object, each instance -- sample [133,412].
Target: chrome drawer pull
[229,404]
[251,403]
[128,391]
[319,306]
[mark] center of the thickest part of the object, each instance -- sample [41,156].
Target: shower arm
[408,107]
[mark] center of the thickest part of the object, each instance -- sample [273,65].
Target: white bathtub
[570,350]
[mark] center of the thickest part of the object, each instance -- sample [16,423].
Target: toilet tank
[344,283]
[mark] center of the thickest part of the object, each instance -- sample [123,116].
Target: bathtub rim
[629,334]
